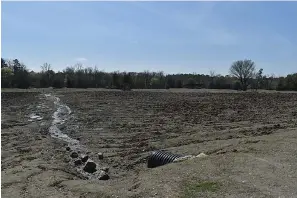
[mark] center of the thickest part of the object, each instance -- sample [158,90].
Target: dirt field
[250,140]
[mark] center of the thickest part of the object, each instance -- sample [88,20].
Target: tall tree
[3,63]
[259,79]
[47,75]
[127,82]
[6,77]
[46,67]
[244,71]
[115,80]
[16,65]
[212,76]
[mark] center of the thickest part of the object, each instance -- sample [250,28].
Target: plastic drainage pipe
[160,158]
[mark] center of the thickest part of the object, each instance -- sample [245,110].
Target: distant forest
[243,76]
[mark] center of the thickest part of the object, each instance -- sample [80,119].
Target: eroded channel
[77,153]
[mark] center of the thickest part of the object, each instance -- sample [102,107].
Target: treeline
[14,74]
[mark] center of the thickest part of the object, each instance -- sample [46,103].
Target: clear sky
[173,37]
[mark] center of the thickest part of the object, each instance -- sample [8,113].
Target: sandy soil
[250,140]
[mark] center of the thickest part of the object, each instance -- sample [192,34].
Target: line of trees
[243,76]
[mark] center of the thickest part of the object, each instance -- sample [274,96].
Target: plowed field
[240,133]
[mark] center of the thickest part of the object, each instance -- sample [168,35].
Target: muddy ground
[250,140]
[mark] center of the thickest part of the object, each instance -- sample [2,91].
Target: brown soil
[250,140]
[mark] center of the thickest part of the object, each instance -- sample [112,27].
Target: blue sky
[173,37]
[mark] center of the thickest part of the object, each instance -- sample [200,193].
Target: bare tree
[243,70]
[78,66]
[212,73]
[259,79]
[271,78]
[46,67]
[146,78]
[212,76]
[9,63]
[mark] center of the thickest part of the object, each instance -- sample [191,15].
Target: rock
[38,138]
[25,150]
[105,169]
[90,167]
[277,126]
[14,108]
[201,155]
[100,155]
[78,162]
[84,159]
[62,127]
[189,157]
[180,159]
[74,155]
[67,148]
[103,176]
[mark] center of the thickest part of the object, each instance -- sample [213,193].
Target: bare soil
[250,140]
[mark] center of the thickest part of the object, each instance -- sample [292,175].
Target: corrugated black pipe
[159,158]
